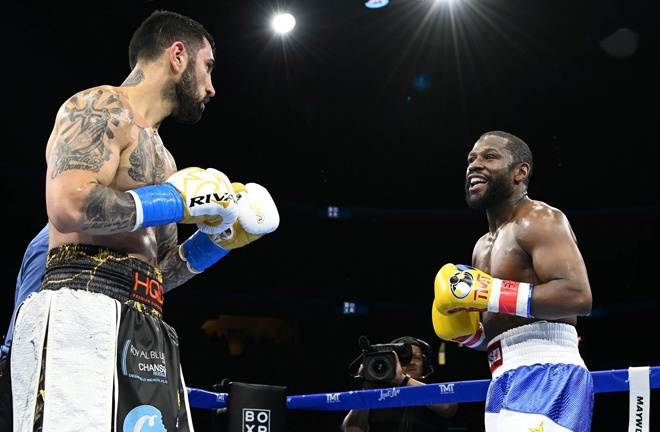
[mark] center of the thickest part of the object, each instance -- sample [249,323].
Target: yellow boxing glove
[462,327]
[464,288]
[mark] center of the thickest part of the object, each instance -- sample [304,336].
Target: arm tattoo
[167,239]
[108,209]
[174,269]
[84,129]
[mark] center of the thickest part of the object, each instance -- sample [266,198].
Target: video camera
[379,361]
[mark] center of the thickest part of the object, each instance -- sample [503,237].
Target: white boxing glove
[226,197]
[189,196]
[257,216]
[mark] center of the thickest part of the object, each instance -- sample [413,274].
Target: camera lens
[379,367]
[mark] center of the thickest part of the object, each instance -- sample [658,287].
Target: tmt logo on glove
[463,283]
[461,288]
[464,288]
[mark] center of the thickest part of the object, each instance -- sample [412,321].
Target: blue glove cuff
[157,205]
[201,252]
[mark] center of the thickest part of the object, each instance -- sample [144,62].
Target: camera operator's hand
[400,375]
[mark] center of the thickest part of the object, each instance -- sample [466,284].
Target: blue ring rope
[461,391]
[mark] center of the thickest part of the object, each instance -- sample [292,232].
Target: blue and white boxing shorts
[540,382]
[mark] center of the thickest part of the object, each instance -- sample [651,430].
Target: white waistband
[540,342]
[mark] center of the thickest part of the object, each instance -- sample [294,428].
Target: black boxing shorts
[91,351]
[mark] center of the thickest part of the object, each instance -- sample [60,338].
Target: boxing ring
[636,380]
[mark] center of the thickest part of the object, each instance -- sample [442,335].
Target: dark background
[330,117]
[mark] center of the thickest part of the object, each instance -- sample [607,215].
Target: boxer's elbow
[583,302]
[65,221]
[65,216]
[68,203]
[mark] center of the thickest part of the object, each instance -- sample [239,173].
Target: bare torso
[506,253]
[98,139]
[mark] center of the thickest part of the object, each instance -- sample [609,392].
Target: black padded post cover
[256,408]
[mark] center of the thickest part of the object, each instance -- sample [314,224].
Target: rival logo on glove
[209,198]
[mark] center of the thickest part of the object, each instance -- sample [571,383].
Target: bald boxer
[520,298]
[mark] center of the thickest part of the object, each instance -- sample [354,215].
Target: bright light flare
[376,4]
[284,23]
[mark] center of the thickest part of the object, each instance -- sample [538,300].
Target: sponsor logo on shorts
[148,291]
[144,418]
[149,366]
[495,359]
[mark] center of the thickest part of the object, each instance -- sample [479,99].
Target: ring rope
[462,391]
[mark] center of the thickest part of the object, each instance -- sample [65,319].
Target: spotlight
[284,23]
[375,4]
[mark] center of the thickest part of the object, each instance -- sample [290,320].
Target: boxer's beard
[498,189]
[189,107]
